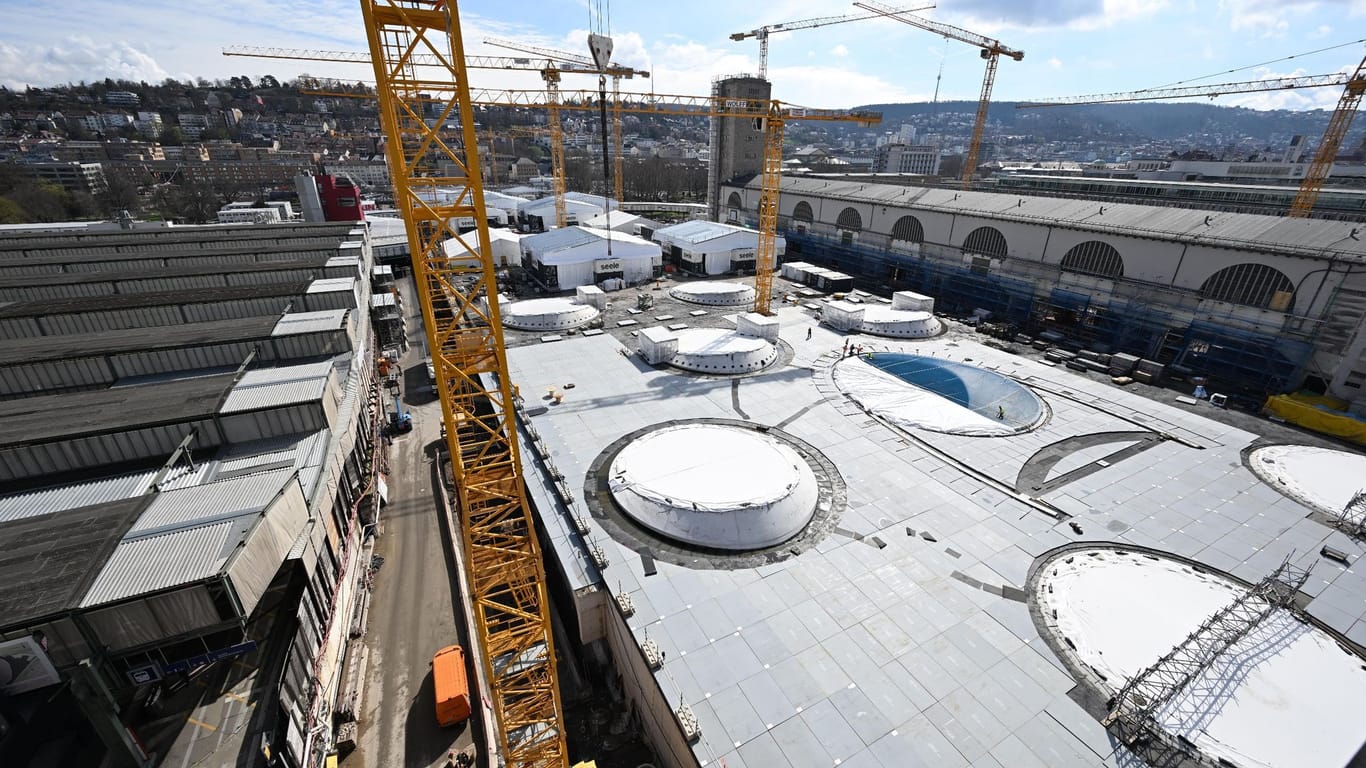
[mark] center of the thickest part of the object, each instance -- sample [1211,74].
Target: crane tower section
[456,287]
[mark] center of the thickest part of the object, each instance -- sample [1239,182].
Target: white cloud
[75,59]
[991,16]
[839,50]
[1055,63]
[1323,31]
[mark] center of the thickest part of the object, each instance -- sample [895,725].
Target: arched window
[1094,258]
[986,241]
[849,220]
[1253,285]
[803,212]
[734,201]
[908,228]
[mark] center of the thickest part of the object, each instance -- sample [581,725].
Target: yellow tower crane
[991,51]
[550,68]
[583,61]
[464,332]
[1338,124]
[457,291]
[762,33]
[1354,86]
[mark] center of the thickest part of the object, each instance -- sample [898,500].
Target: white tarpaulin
[907,405]
[1284,696]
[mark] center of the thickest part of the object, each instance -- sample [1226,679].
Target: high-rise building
[737,144]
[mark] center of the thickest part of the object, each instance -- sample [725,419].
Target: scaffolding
[957,289]
[1134,710]
[1352,520]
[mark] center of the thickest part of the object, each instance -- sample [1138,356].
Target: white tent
[562,259]
[623,221]
[544,209]
[711,248]
[506,246]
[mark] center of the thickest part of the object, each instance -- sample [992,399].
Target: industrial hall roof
[1243,231]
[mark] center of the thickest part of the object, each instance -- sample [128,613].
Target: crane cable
[1254,66]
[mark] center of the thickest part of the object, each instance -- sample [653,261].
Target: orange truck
[452,687]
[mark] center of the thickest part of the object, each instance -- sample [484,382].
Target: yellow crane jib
[991,50]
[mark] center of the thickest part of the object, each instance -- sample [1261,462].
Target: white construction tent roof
[716,236]
[574,245]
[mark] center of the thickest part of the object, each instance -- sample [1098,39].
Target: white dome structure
[1285,694]
[900,323]
[715,350]
[881,320]
[715,485]
[714,294]
[559,314]
[1323,478]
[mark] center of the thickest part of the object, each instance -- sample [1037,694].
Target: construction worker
[1001,412]
[808,334]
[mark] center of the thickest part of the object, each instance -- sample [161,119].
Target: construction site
[848,474]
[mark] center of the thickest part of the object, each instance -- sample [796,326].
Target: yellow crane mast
[1319,167]
[1327,152]
[774,115]
[991,51]
[616,71]
[762,33]
[464,332]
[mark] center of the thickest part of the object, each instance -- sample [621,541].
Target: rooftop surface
[47,562]
[184,270]
[1237,230]
[904,637]
[18,351]
[41,307]
[50,417]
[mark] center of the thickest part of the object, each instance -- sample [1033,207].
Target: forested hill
[1134,120]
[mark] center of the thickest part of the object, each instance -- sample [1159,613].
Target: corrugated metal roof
[382,269]
[275,387]
[584,197]
[700,231]
[210,503]
[382,300]
[169,560]
[310,322]
[344,261]
[76,495]
[330,284]
[1319,238]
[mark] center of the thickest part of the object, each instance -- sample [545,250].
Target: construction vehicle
[451,686]
[991,51]
[762,33]
[400,421]
[1354,86]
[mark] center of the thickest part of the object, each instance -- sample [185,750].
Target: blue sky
[1071,46]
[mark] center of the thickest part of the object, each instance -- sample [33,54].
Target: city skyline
[1079,47]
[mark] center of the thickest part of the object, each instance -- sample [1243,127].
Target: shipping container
[452,686]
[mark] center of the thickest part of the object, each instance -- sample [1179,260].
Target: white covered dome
[715,485]
[714,294]
[900,323]
[716,350]
[559,314]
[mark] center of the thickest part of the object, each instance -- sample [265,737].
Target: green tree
[121,195]
[11,213]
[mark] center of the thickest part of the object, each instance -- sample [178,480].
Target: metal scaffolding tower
[1133,710]
[1352,521]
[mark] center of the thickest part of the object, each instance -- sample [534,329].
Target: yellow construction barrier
[1319,413]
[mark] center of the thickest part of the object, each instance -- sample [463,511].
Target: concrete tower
[737,145]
